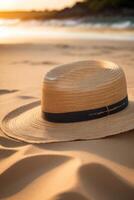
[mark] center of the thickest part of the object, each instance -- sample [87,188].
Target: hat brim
[26,124]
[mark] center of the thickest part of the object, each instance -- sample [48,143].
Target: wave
[80,23]
[37,30]
[9,22]
[89,24]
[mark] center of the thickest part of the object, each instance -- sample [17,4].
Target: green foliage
[97,5]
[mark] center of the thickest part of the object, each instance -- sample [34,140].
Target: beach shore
[84,170]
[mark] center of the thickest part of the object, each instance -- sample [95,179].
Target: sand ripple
[25,171]
[101,183]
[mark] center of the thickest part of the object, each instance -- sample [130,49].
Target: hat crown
[82,86]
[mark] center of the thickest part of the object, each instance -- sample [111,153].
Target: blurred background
[37,35]
[38,20]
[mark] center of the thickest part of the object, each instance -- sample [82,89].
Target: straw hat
[80,100]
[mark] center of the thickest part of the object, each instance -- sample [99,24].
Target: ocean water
[16,30]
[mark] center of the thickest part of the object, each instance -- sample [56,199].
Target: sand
[84,170]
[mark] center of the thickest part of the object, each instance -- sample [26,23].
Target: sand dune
[82,170]
[30,168]
[101,183]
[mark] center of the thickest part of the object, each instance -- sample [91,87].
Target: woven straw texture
[77,86]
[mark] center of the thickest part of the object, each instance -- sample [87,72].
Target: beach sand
[100,169]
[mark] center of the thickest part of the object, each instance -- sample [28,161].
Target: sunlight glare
[34,4]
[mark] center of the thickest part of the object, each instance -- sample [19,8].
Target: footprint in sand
[4,91]
[26,97]
[35,62]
